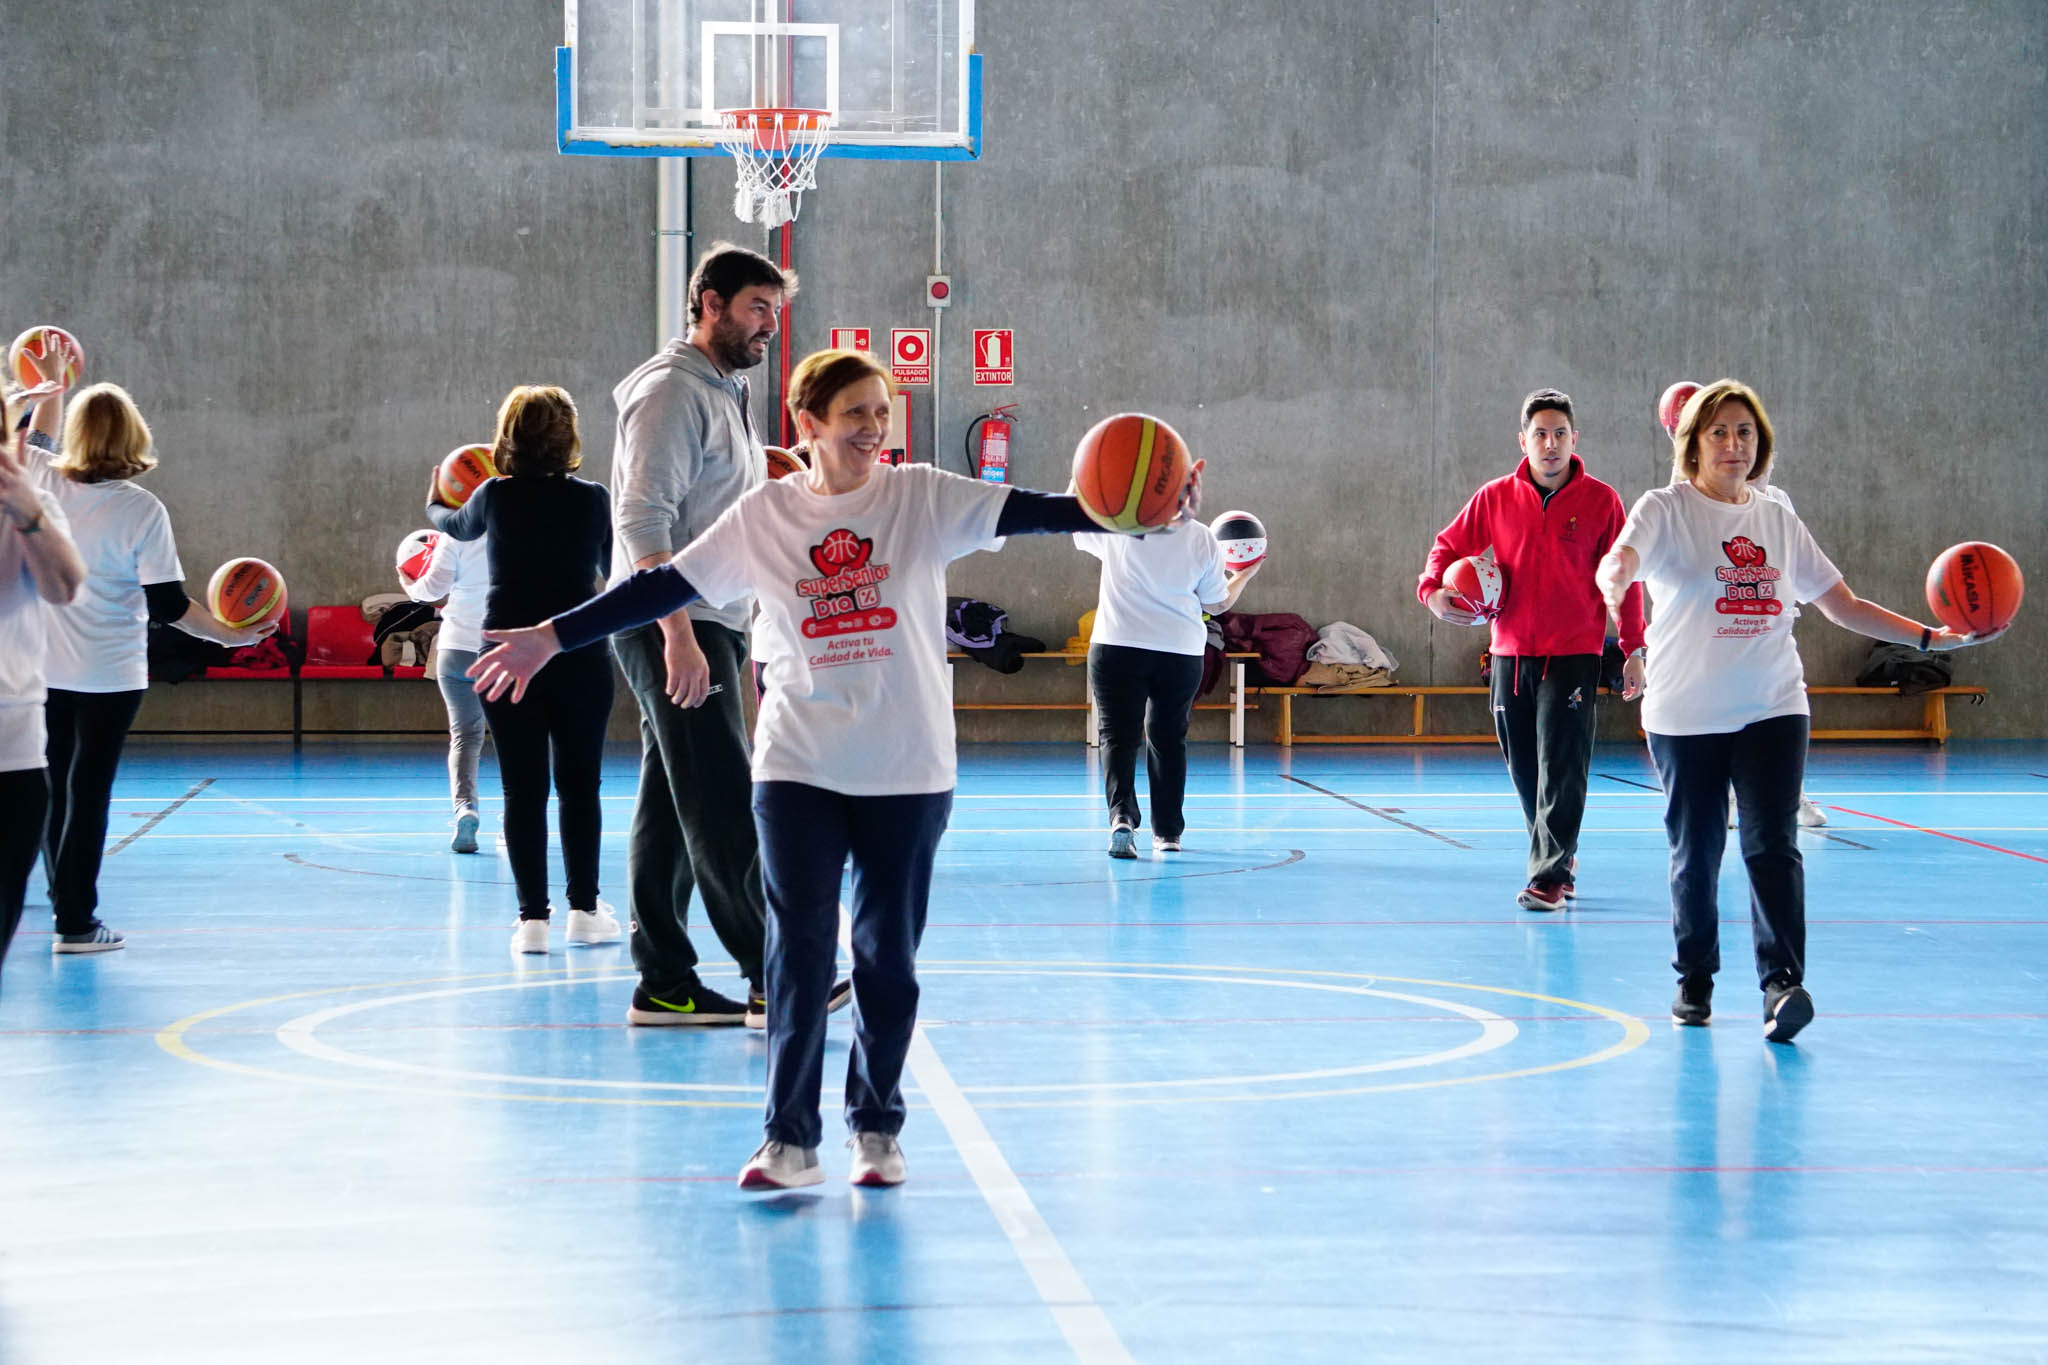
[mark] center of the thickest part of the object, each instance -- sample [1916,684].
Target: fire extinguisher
[989,457]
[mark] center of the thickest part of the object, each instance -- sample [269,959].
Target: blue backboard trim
[565,110]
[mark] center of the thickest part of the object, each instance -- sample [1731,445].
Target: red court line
[1939,834]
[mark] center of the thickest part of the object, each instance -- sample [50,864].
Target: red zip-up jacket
[1547,555]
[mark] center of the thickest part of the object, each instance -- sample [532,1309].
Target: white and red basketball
[1477,585]
[1671,406]
[1243,538]
[415,553]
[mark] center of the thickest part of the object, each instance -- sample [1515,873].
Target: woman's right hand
[519,655]
[1617,570]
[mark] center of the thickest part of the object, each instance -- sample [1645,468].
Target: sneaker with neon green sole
[697,1005]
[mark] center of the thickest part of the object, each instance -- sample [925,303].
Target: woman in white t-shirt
[853,749]
[1145,666]
[1725,696]
[38,565]
[97,663]
[460,571]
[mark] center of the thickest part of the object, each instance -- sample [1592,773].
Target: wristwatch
[41,441]
[1640,652]
[32,525]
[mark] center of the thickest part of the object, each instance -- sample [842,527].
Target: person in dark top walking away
[549,543]
[1547,524]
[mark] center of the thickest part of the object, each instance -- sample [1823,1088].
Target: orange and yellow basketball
[462,469]
[1975,587]
[783,463]
[245,593]
[1129,471]
[46,343]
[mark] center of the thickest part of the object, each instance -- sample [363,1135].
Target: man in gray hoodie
[686,450]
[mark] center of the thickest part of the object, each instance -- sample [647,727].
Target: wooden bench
[1933,723]
[1237,705]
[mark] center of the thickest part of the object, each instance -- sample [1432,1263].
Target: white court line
[1015,831]
[1081,1320]
[1406,800]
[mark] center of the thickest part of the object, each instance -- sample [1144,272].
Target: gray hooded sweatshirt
[685,451]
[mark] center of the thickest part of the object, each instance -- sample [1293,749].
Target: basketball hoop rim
[754,117]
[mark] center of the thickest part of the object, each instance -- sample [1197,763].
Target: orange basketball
[46,343]
[245,593]
[1129,471]
[1975,587]
[783,463]
[462,470]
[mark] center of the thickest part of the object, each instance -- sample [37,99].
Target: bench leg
[1237,704]
[1286,720]
[298,715]
[1935,717]
[1417,728]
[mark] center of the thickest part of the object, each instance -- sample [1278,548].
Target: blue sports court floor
[1313,1090]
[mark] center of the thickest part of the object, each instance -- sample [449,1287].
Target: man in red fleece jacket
[1548,524]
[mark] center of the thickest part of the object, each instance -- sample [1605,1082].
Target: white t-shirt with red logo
[851,622]
[1153,587]
[1724,583]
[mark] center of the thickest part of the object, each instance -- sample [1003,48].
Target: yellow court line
[172,1038]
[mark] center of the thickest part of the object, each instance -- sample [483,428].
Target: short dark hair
[1543,399]
[537,433]
[726,269]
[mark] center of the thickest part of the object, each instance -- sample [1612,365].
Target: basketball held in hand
[244,593]
[1129,471]
[783,463]
[46,343]
[1243,538]
[1477,585]
[1672,405]
[1975,588]
[415,553]
[462,470]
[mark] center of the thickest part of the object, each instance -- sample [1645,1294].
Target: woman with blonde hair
[853,750]
[548,540]
[1724,700]
[96,663]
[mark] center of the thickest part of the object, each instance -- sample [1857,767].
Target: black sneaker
[697,1005]
[757,1003]
[1787,1009]
[1694,1004]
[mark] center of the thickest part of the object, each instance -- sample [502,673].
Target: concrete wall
[1333,243]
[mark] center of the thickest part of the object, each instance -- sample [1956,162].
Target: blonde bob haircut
[105,438]
[822,376]
[1699,414]
[537,432]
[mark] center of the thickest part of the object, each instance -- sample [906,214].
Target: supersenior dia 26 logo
[847,594]
[1749,585]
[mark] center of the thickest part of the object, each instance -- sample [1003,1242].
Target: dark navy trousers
[808,836]
[1766,762]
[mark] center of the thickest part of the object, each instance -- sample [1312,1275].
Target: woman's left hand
[1631,678]
[519,656]
[1944,640]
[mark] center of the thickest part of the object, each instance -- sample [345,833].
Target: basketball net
[776,154]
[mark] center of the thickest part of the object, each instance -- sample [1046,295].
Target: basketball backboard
[900,78]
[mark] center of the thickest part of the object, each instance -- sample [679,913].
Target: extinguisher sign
[910,355]
[994,359]
[851,339]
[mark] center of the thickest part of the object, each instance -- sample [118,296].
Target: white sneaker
[98,939]
[781,1166]
[465,833]
[531,936]
[877,1160]
[1810,815]
[1122,843]
[1161,845]
[594,926]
